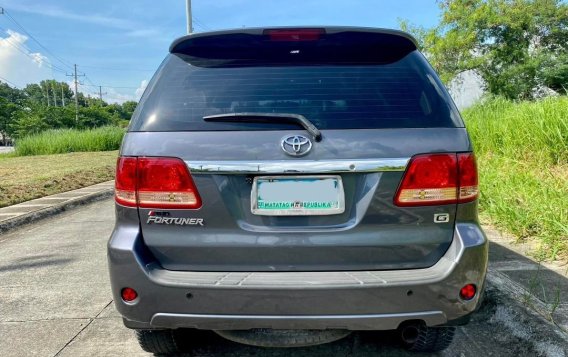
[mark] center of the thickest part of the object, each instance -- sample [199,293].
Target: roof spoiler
[182,44]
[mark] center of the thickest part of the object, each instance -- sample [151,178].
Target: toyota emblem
[296,145]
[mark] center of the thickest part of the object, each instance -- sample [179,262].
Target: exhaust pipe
[409,333]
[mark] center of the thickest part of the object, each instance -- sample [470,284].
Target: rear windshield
[402,94]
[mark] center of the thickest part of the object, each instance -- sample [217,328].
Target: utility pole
[101,93]
[189,20]
[62,96]
[46,93]
[76,92]
[54,96]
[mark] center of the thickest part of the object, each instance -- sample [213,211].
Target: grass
[522,151]
[70,140]
[28,177]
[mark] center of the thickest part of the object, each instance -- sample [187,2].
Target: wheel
[283,338]
[421,338]
[157,341]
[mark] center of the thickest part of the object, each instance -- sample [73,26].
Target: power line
[89,80]
[201,24]
[121,68]
[10,83]
[109,86]
[65,63]
[26,51]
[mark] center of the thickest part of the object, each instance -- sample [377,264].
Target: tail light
[155,182]
[125,181]
[469,187]
[435,179]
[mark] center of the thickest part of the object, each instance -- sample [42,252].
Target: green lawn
[27,177]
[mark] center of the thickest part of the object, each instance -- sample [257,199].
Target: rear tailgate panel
[372,233]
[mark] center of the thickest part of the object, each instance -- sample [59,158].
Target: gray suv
[286,186]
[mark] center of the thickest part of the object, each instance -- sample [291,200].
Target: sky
[118,44]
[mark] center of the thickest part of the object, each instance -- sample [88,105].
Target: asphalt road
[55,301]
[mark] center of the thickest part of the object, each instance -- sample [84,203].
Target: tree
[515,45]
[57,91]
[128,108]
[36,118]
[25,112]
[11,100]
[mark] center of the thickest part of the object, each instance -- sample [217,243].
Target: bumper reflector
[468,292]
[128,294]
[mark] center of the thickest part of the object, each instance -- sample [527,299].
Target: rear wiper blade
[267,118]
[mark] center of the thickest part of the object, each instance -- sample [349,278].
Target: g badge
[441,218]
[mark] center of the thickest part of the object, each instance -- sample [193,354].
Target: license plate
[297,196]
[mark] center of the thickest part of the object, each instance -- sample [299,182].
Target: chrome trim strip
[245,322]
[297,166]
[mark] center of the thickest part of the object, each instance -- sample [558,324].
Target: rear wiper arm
[267,118]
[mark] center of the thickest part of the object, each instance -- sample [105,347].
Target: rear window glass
[402,94]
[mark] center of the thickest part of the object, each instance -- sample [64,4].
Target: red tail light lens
[295,35]
[125,181]
[469,186]
[166,183]
[434,179]
[429,179]
[157,182]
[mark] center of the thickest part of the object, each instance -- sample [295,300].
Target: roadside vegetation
[56,150]
[51,105]
[522,150]
[518,47]
[28,177]
[59,141]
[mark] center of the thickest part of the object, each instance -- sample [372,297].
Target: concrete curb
[12,217]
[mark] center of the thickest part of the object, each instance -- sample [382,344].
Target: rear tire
[157,341]
[429,339]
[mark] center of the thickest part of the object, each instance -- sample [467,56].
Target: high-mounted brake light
[434,179]
[294,35]
[155,182]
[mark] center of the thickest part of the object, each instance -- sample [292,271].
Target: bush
[522,150]
[61,141]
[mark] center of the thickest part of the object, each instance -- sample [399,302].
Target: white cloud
[18,65]
[140,90]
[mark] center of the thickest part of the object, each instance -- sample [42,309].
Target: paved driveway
[55,301]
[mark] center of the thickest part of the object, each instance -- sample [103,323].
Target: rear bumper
[355,300]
